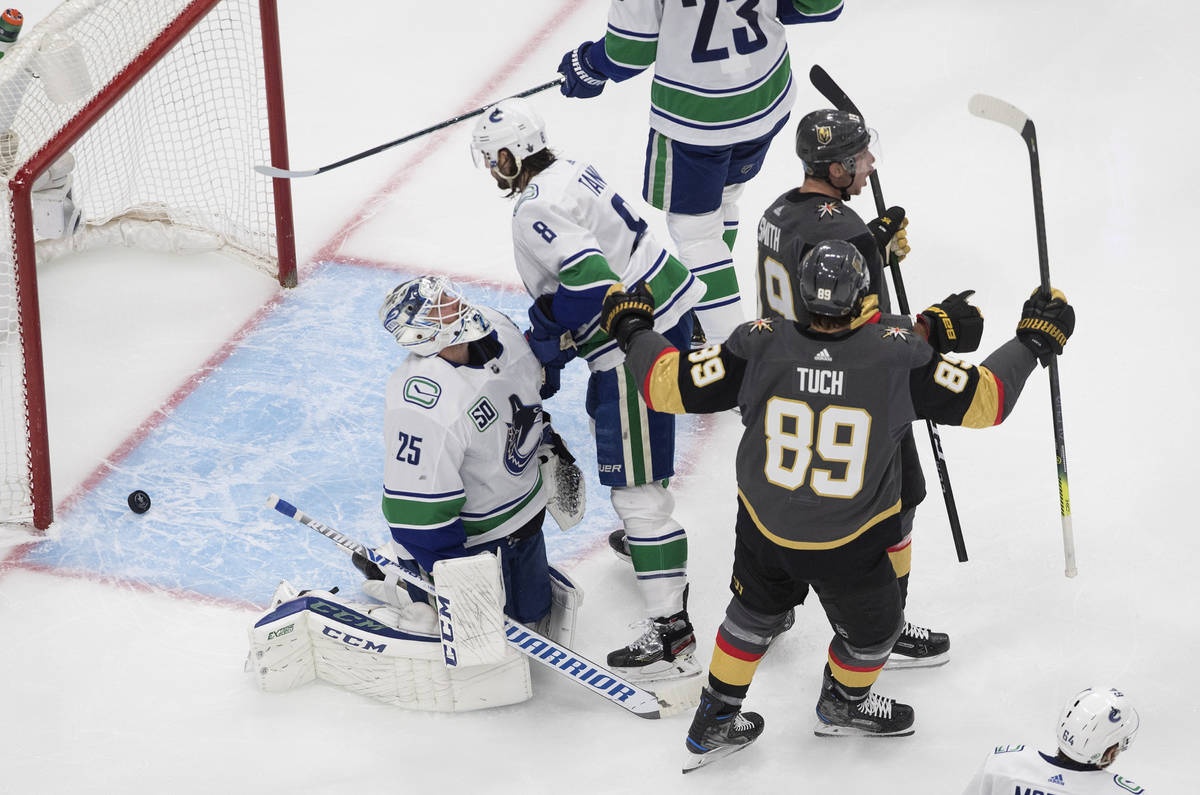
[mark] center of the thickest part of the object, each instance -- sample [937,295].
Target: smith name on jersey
[824,413]
[722,72]
[574,237]
[462,467]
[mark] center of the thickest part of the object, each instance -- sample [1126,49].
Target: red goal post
[166,106]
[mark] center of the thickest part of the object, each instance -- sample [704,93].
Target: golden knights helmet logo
[824,135]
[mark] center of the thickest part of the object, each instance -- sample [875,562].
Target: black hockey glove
[1047,322]
[954,325]
[889,233]
[625,313]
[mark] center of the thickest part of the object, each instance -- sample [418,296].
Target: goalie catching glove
[954,325]
[1046,324]
[889,231]
[627,312]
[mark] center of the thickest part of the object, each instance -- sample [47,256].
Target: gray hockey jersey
[824,414]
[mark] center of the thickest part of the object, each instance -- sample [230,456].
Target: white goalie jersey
[574,237]
[1022,768]
[462,441]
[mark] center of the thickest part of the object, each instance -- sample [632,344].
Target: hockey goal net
[165,106]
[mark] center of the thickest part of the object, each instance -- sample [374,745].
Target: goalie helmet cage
[166,105]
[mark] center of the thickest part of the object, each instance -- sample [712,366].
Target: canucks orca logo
[495,116]
[1114,715]
[519,448]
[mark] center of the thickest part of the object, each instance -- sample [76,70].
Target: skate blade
[678,696]
[662,671]
[899,661]
[697,761]
[823,729]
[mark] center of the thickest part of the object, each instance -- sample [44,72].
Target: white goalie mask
[428,314]
[1094,721]
[510,124]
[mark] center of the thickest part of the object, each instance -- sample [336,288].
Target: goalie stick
[283,173]
[834,93]
[577,668]
[997,110]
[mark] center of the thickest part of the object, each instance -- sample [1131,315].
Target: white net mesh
[177,150]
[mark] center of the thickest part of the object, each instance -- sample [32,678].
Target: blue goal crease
[296,410]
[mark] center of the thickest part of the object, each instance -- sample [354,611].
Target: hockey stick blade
[997,110]
[553,655]
[283,173]
[831,90]
[280,173]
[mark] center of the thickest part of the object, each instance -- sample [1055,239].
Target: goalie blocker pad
[388,654]
[470,606]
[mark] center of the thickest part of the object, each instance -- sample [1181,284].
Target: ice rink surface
[200,381]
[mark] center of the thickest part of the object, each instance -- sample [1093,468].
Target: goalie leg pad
[470,606]
[566,598]
[388,654]
[657,545]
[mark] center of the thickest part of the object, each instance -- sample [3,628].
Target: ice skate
[619,544]
[664,651]
[718,730]
[918,647]
[873,716]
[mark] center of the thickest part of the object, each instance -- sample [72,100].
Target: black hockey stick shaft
[834,93]
[283,173]
[997,110]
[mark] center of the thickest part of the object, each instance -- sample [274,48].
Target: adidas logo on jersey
[1058,780]
[823,356]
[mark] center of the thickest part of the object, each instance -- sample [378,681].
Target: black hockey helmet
[824,137]
[833,279]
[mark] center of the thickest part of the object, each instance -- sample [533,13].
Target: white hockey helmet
[510,124]
[1094,721]
[429,313]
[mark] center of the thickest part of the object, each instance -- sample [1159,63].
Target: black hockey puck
[139,501]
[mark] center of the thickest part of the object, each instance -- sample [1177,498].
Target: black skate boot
[619,544]
[918,647]
[665,650]
[873,716]
[718,730]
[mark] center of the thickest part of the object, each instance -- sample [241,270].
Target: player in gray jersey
[825,404]
[1095,726]
[834,147]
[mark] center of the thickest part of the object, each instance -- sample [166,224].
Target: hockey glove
[580,79]
[1047,322]
[552,444]
[625,313]
[954,325]
[889,233]
[550,342]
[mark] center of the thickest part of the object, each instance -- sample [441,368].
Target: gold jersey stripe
[984,411]
[662,384]
[785,542]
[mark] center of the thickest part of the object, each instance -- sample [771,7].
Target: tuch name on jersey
[821,382]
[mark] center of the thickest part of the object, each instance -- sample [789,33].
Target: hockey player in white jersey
[573,238]
[1095,726]
[463,425]
[722,89]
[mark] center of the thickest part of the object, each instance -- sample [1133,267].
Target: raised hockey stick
[997,110]
[561,659]
[283,173]
[834,93]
